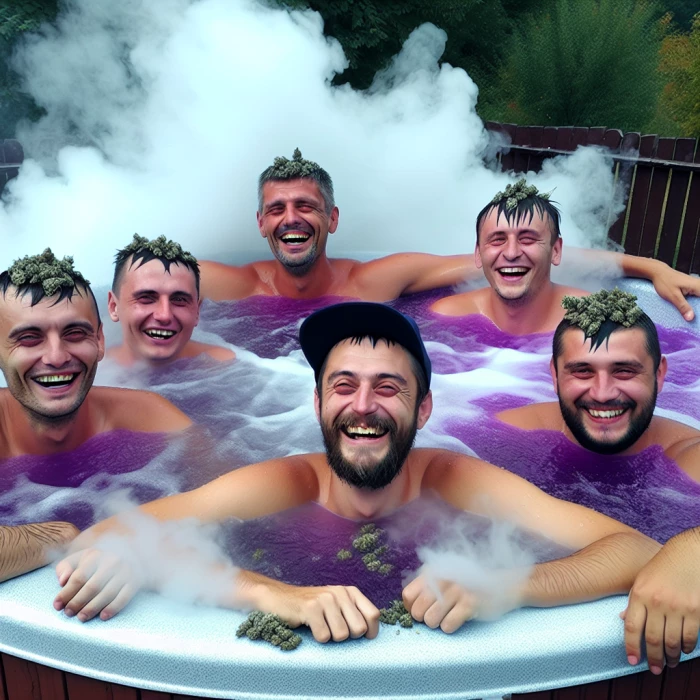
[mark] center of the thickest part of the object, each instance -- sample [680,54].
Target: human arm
[24,548]
[220,282]
[686,454]
[664,604]
[609,554]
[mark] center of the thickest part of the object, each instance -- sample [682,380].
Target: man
[607,370]
[517,241]
[155,297]
[372,395]
[51,343]
[296,214]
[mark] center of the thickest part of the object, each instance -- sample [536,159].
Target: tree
[584,63]
[680,65]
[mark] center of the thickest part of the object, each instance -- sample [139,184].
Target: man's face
[295,223]
[367,411]
[158,309]
[49,352]
[607,397]
[516,259]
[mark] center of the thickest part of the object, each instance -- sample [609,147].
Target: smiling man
[155,297]
[607,370]
[372,395]
[50,343]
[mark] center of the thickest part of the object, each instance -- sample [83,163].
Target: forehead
[18,311]
[154,277]
[365,360]
[302,188]
[497,221]
[625,345]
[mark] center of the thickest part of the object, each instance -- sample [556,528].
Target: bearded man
[372,395]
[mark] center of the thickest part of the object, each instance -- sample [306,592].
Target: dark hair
[416,367]
[37,292]
[607,328]
[143,256]
[524,208]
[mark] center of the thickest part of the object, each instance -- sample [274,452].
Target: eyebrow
[298,200]
[573,366]
[15,332]
[153,292]
[383,375]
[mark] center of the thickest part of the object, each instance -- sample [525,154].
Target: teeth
[605,414]
[357,430]
[295,238]
[55,378]
[513,270]
[153,333]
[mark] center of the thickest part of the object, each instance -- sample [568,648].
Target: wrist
[645,268]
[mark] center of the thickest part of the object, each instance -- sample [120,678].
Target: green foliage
[589,313]
[680,66]
[682,11]
[584,63]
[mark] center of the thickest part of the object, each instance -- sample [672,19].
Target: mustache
[295,226]
[372,421]
[605,406]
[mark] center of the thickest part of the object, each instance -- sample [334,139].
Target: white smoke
[181,104]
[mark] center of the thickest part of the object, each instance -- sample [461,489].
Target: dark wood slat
[507,158]
[655,202]
[564,134]
[687,261]
[3,686]
[549,137]
[521,158]
[541,695]
[12,151]
[82,688]
[612,139]
[155,695]
[596,134]
[629,143]
[639,196]
[536,141]
[21,678]
[579,137]
[685,149]
[676,683]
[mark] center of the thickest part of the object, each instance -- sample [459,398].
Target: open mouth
[609,414]
[513,272]
[159,333]
[54,381]
[295,238]
[355,432]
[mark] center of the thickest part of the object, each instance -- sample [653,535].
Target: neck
[317,282]
[363,504]
[29,433]
[526,315]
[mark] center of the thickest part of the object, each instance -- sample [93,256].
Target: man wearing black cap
[372,395]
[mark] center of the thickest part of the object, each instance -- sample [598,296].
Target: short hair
[524,210]
[45,276]
[142,251]
[602,335]
[418,371]
[298,168]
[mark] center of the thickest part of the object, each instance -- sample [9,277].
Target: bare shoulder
[564,291]
[4,428]
[221,282]
[133,409]
[675,437]
[536,416]
[216,352]
[460,304]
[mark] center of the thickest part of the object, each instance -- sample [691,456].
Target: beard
[369,476]
[637,426]
[296,266]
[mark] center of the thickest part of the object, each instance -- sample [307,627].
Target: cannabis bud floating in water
[516,192]
[270,628]
[589,313]
[47,270]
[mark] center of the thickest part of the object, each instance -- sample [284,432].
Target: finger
[127,592]
[90,590]
[369,612]
[689,635]
[316,622]
[462,612]
[412,591]
[72,586]
[66,567]
[102,599]
[421,605]
[681,303]
[336,622]
[451,596]
[654,637]
[635,619]
[673,631]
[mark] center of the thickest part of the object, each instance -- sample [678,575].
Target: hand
[332,612]
[675,286]
[94,582]
[449,610]
[664,605]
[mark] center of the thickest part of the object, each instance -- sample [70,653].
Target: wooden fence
[11,157]
[661,177]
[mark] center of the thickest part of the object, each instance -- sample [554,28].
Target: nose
[364,400]
[55,352]
[603,388]
[162,311]
[512,250]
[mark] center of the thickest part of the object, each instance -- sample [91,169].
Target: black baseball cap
[325,328]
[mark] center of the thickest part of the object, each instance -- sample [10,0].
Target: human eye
[29,339]
[75,334]
[180,300]
[387,390]
[343,387]
[625,373]
[497,240]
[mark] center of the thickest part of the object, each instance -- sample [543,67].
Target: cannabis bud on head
[589,313]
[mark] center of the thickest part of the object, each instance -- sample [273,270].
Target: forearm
[615,264]
[24,548]
[606,567]
[250,591]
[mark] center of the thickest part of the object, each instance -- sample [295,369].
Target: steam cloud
[176,106]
